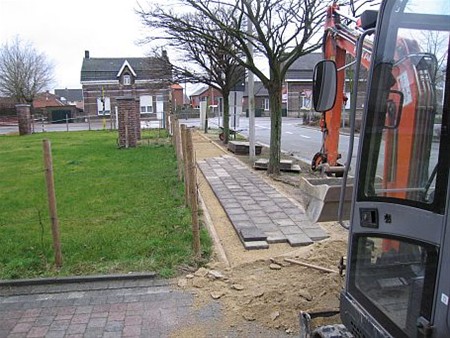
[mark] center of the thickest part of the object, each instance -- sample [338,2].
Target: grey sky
[64,29]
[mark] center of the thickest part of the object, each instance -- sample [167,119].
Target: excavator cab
[398,268]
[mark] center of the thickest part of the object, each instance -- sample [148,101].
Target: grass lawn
[119,210]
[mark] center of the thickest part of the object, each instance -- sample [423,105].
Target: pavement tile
[292,230]
[96,323]
[132,331]
[256,245]
[284,222]
[58,325]
[55,334]
[275,237]
[315,234]
[38,331]
[21,327]
[76,328]
[114,326]
[80,318]
[44,320]
[93,333]
[299,240]
[252,234]
[84,309]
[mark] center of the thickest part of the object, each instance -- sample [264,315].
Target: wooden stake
[193,193]
[185,164]
[177,145]
[310,266]
[48,163]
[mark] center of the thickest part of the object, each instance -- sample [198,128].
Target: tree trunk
[275,97]
[226,115]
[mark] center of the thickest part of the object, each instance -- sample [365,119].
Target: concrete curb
[76,279]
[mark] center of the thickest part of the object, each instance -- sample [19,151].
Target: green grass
[119,210]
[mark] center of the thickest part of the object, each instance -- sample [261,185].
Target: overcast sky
[64,29]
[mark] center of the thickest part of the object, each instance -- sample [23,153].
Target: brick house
[207,93]
[54,110]
[298,84]
[147,79]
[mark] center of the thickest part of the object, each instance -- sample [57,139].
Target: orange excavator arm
[339,40]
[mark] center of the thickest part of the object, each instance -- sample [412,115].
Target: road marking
[262,127]
[305,136]
[288,132]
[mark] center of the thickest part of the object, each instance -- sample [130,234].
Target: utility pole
[251,95]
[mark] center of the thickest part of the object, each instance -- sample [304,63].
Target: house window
[126,80]
[266,105]
[306,102]
[103,106]
[146,104]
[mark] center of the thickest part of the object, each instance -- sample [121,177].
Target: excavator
[397,271]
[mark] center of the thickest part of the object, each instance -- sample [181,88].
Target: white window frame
[306,102]
[100,106]
[127,80]
[146,104]
[266,104]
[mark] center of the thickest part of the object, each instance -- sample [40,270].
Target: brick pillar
[137,118]
[24,118]
[129,122]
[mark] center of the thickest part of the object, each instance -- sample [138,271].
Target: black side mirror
[324,85]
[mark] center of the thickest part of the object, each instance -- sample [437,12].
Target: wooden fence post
[186,164]
[48,162]
[193,193]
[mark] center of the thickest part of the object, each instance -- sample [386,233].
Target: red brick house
[207,93]
[146,78]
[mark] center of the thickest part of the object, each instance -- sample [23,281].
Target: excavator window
[405,117]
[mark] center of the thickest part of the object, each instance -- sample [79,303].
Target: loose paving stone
[256,245]
[299,240]
[252,234]
[251,203]
[315,234]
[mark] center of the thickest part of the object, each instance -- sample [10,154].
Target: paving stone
[299,240]
[284,222]
[291,230]
[256,245]
[257,213]
[235,211]
[275,237]
[252,234]
[315,234]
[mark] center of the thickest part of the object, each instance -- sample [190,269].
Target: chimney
[86,54]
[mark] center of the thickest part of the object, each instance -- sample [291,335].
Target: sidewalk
[260,216]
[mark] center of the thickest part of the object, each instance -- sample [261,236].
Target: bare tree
[24,71]
[283,31]
[204,47]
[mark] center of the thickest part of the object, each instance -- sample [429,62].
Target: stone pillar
[24,118]
[129,122]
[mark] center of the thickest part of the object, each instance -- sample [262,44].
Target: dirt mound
[273,291]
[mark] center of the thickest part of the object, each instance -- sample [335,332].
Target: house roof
[47,99]
[303,67]
[200,90]
[259,89]
[71,95]
[107,69]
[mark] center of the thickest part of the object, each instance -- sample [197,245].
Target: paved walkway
[259,213]
[134,308]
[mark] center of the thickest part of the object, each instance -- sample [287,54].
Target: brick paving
[259,213]
[134,308]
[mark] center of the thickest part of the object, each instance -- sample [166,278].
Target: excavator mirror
[324,85]
[368,19]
